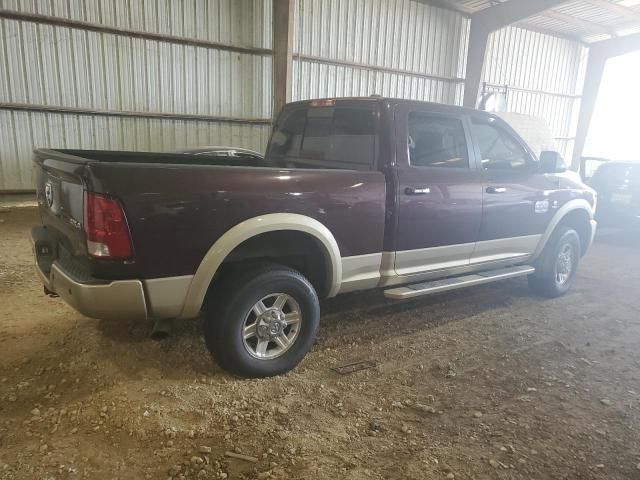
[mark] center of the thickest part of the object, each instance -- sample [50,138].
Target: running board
[437,286]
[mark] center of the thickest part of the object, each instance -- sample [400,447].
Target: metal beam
[574,37]
[467,12]
[282,53]
[615,47]
[127,32]
[376,68]
[599,53]
[29,107]
[585,25]
[624,12]
[483,23]
[447,5]
[508,12]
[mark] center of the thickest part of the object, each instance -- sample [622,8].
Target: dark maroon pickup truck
[357,193]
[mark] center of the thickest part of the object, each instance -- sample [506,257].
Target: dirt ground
[483,383]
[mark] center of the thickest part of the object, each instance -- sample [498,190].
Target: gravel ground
[488,382]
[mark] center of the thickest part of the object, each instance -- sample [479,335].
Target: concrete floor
[488,382]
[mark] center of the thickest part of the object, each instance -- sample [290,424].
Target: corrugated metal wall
[396,48]
[400,48]
[407,49]
[544,77]
[57,66]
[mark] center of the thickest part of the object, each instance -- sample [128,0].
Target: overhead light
[629,3]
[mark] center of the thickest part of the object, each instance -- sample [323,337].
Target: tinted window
[436,141]
[342,134]
[498,148]
[353,136]
[287,134]
[613,175]
[316,142]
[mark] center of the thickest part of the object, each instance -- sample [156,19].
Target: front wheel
[558,264]
[264,324]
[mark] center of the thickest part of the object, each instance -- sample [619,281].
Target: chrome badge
[48,193]
[542,206]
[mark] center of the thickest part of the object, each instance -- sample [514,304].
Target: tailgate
[60,189]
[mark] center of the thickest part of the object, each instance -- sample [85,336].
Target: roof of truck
[392,101]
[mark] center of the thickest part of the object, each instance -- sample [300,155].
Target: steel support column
[476,51]
[590,88]
[482,24]
[599,53]
[282,53]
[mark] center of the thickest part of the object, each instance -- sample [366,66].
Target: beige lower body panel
[166,296]
[504,248]
[392,279]
[118,300]
[360,272]
[453,283]
[159,298]
[409,262]
[385,269]
[412,266]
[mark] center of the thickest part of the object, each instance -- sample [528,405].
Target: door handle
[417,191]
[496,189]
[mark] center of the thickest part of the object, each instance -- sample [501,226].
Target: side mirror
[552,162]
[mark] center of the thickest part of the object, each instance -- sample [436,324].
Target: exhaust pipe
[161,329]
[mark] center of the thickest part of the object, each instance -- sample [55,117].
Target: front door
[517,200]
[439,191]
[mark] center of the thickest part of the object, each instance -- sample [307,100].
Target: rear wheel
[264,323]
[558,264]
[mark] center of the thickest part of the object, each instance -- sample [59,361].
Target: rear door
[439,190]
[517,202]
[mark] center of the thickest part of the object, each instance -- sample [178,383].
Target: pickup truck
[354,193]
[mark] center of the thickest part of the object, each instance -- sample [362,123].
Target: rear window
[340,136]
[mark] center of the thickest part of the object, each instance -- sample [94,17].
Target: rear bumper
[157,298]
[109,300]
[122,299]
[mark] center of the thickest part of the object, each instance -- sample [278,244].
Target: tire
[557,266]
[237,307]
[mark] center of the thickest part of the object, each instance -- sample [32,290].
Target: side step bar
[437,286]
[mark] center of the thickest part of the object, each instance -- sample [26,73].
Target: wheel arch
[576,213]
[254,227]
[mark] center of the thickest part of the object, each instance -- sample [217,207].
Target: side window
[315,143]
[344,136]
[340,134]
[353,137]
[436,141]
[498,149]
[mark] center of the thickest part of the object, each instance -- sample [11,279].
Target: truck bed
[178,205]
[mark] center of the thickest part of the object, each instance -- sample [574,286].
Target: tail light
[105,226]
